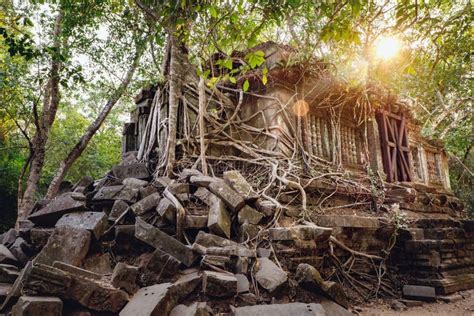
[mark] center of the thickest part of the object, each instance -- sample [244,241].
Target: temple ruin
[316,192]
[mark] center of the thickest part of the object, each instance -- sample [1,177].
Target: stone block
[99,264]
[8,238]
[195,221]
[219,221]
[163,264]
[21,250]
[167,210]
[219,284]
[95,222]
[248,231]
[134,183]
[301,232]
[233,200]
[136,170]
[347,221]
[67,244]
[116,192]
[203,194]
[125,277]
[300,309]
[201,180]
[160,240]
[34,305]
[239,184]
[76,271]
[39,236]
[6,257]
[269,275]
[419,292]
[118,209]
[147,204]
[8,273]
[243,284]
[54,210]
[195,309]
[248,215]
[159,299]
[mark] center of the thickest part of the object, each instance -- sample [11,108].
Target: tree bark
[43,124]
[174,93]
[81,145]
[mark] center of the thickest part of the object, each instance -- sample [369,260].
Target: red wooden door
[395,146]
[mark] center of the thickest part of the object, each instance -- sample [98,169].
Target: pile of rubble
[194,245]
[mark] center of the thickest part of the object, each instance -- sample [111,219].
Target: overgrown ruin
[308,191]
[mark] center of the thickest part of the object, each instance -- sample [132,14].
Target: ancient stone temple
[318,196]
[331,128]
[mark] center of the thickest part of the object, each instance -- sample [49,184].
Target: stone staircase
[437,253]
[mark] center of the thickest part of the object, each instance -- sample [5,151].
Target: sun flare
[387,47]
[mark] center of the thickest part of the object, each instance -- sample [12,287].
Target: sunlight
[387,47]
[300,108]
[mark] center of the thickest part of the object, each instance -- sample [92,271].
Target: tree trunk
[43,124]
[81,145]
[174,94]
[202,109]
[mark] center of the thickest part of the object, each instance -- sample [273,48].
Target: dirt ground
[463,307]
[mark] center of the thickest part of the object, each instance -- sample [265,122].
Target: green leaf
[233,80]
[264,79]
[213,11]
[246,85]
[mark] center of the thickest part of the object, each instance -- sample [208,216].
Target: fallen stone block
[8,273]
[146,191]
[67,244]
[424,293]
[396,305]
[134,170]
[248,215]
[73,285]
[219,284]
[159,299]
[195,309]
[301,232]
[243,284]
[163,264]
[248,231]
[160,240]
[34,305]
[118,209]
[6,257]
[9,237]
[203,194]
[147,204]
[333,309]
[187,173]
[216,261]
[453,298]
[134,183]
[63,204]
[219,221]
[231,198]
[266,207]
[167,209]
[99,264]
[39,236]
[21,250]
[202,181]
[310,279]
[269,275]
[76,271]
[300,309]
[95,222]
[240,184]
[195,221]
[5,288]
[125,277]
[412,303]
[109,194]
